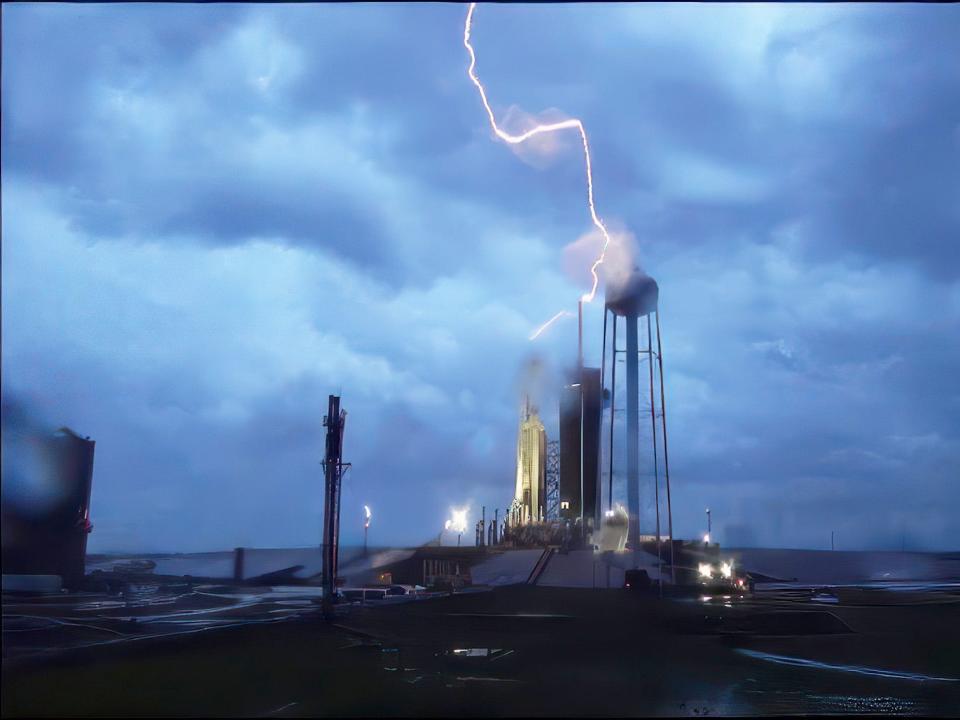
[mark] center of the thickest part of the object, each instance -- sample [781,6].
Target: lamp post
[706,538]
[366,526]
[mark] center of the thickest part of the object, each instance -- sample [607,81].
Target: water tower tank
[635,296]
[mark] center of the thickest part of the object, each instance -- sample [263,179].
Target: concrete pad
[510,567]
[587,569]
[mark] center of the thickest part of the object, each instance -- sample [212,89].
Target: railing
[540,566]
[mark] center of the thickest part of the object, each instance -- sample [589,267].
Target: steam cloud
[536,380]
[620,261]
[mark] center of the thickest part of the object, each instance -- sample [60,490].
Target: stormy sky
[216,215]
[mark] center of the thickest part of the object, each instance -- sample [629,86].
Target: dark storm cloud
[214,215]
[870,156]
[162,99]
[60,56]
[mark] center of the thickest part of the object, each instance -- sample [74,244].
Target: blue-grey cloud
[215,215]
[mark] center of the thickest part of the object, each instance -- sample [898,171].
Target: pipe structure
[238,564]
[613,404]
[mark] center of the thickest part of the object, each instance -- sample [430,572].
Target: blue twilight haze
[215,215]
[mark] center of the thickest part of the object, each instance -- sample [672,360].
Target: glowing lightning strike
[538,130]
[536,333]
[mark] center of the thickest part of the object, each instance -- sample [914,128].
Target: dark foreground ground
[527,650]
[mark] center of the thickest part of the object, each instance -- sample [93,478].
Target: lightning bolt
[536,333]
[573,123]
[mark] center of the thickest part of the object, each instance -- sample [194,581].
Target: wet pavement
[50,624]
[219,650]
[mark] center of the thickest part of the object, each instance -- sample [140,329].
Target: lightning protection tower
[632,305]
[333,469]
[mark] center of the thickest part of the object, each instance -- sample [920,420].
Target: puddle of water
[864,705]
[776,701]
[471,678]
[280,709]
[527,616]
[817,665]
[825,599]
[391,659]
[490,654]
[474,652]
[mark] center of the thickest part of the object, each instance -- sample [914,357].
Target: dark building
[580,410]
[50,537]
[428,565]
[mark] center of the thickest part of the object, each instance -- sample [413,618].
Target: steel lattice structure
[553,480]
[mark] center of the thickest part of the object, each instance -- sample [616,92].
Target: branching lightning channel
[573,123]
[539,331]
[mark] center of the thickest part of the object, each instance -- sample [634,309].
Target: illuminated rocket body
[531,467]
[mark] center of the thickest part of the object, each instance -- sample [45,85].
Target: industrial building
[47,538]
[530,493]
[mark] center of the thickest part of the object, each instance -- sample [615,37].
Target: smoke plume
[537,380]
